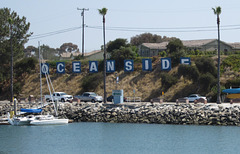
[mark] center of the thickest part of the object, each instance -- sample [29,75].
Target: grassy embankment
[147,85]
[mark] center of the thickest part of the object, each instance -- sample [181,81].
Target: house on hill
[69,55]
[207,45]
[153,49]
[236,46]
[93,55]
[96,55]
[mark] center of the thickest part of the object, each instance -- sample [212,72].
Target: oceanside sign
[110,65]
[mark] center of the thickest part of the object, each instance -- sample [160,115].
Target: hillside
[146,85]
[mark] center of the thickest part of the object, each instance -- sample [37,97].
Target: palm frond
[103,11]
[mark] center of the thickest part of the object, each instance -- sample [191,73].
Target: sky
[54,22]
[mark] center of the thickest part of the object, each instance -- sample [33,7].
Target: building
[68,55]
[93,55]
[207,45]
[96,55]
[236,46]
[153,49]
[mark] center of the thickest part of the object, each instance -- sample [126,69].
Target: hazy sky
[54,22]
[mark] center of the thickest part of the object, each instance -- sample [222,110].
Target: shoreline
[224,114]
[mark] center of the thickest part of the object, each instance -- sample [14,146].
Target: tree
[49,53]
[68,47]
[116,44]
[148,38]
[175,46]
[206,65]
[189,72]
[29,50]
[103,12]
[19,34]
[13,35]
[217,11]
[119,55]
[206,82]
[175,56]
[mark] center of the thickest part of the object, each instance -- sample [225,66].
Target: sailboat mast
[40,73]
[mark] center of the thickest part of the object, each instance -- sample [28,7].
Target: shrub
[175,46]
[163,54]
[168,80]
[205,65]
[175,57]
[232,61]
[26,65]
[119,55]
[206,81]
[189,72]
[91,81]
[233,83]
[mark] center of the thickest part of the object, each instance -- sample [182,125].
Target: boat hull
[49,122]
[232,91]
[232,96]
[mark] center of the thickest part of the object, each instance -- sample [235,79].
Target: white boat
[48,120]
[20,121]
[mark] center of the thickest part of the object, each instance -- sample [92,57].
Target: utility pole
[82,14]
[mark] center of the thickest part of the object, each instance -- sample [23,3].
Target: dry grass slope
[147,85]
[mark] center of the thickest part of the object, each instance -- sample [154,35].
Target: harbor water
[119,138]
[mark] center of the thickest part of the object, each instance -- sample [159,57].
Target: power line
[177,29]
[138,29]
[53,33]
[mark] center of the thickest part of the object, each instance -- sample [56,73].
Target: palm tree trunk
[218,73]
[104,56]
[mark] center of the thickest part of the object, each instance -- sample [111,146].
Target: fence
[133,99]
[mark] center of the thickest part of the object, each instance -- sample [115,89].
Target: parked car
[194,97]
[90,97]
[59,96]
[110,98]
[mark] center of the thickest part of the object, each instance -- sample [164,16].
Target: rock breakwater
[197,114]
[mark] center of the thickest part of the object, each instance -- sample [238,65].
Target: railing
[133,99]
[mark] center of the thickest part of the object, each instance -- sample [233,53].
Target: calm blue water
[94,138]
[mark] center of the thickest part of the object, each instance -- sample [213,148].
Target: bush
[175,57]
[205,65]
[26,65]
[232,83]
[121,54]
[168,80]
[163,54]
[207,81]
[189,72]
[174,46]
[232,61]
[91,81]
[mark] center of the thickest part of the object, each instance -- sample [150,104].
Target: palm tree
[103,12]
[217,11]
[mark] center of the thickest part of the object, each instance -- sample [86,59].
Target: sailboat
[39,119]
[47,119]
[19,120]
[23,120]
